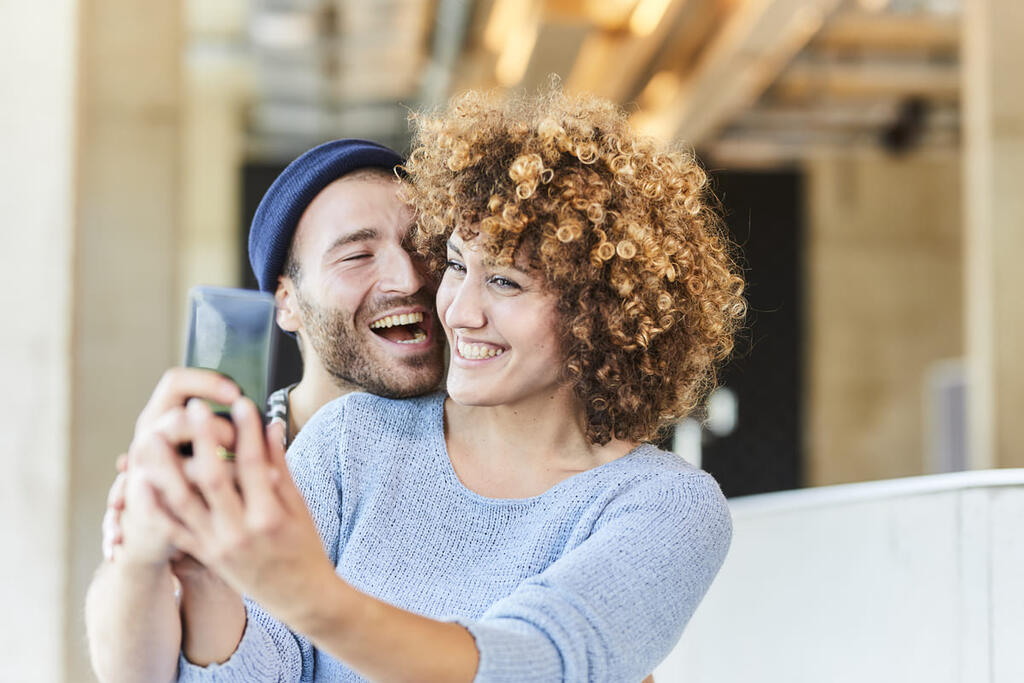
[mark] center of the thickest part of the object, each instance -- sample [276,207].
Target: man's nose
[399,274]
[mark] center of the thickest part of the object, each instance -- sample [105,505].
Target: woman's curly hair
[622,231]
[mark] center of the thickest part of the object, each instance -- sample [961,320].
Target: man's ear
[288,318]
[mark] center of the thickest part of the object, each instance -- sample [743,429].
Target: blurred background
[868,154]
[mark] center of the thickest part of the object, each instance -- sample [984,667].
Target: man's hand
[176,386]
[112,532]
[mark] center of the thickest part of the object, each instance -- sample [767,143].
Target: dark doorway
[764,452]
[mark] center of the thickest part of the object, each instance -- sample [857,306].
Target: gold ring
[225,454]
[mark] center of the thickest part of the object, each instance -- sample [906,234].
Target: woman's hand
[246,520]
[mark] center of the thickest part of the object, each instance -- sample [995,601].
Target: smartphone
[232,331]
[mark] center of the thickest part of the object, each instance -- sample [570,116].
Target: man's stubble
[351,357]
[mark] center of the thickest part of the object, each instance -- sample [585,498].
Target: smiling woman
[619,231]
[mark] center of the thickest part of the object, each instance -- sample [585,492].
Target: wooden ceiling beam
[937,81]
[890,32]
[611,63]
[753,45]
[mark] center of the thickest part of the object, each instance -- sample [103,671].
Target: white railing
[908,580]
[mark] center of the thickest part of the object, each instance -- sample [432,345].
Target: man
[328,241]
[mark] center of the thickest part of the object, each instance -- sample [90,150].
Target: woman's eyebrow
[489,262]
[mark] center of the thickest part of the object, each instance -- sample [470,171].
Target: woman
[519,527]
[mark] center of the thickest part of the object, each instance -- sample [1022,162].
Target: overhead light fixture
[647,15]
[515,57]
[504,13]
[873,5]
[511,32]
[610,14]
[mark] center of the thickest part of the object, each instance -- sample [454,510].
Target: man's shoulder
[371,409]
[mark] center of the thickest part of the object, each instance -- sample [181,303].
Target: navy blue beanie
[282,206]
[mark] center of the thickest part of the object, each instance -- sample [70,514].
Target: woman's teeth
[392,320]
[477,351]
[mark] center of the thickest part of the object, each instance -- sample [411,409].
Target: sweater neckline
[453,477]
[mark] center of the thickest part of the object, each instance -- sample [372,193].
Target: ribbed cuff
[513,653]
[254,660]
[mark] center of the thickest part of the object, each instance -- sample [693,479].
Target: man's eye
[355,257]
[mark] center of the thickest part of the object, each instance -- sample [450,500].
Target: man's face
[366,305]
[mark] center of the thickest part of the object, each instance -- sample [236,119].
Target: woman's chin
[474,397]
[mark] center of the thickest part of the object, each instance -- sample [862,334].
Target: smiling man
[328,240]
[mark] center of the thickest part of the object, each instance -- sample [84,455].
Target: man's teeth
[418,336]
[392,320]
[477,351]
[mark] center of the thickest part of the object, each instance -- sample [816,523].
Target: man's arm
[132,617]
[131,613]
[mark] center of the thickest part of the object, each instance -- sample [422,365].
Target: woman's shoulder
[651,481]
[648,468]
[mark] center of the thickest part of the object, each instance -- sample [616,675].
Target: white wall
[37,137]
[906,580]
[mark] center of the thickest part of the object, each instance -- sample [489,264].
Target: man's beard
[351,357]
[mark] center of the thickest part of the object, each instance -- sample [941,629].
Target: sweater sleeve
[269,651]
[614,606]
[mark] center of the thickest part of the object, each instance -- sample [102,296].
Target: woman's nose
[466,308]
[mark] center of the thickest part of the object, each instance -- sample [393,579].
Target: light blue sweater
[592,580]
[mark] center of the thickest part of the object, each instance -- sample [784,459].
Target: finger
[177,533]
[214,475]
[108,536]
[280,476]
[160,467]
[177,428]
[180,384]
[253,460]
[115,497]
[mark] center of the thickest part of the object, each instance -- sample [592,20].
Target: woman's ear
[288,318]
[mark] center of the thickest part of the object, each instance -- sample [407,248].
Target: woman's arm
[609,609]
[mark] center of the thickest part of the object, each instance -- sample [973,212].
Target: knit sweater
[592,580]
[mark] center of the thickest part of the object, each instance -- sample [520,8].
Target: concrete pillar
[37,88]
[213,136]
[993,169]
[126,321]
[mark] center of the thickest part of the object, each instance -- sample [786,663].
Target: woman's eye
[455,266]
[505,283]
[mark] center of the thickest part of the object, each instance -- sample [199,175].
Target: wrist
[333,608]
[142,572]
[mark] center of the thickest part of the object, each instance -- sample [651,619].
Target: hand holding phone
[231,331]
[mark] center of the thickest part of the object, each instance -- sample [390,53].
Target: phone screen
[232,331]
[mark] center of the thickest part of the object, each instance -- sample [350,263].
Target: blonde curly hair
[622,231]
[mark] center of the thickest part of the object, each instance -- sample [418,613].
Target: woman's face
[501,330]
